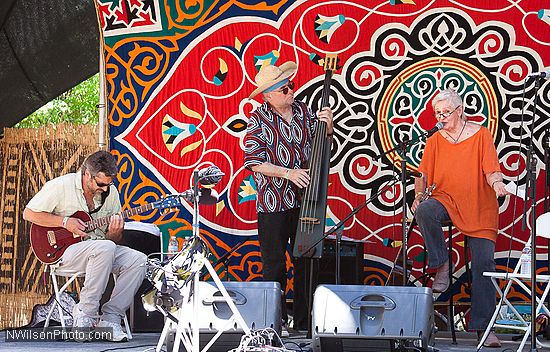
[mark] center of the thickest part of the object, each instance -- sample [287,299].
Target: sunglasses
[101,184]
[285,89]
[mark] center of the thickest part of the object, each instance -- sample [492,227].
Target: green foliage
[78,106]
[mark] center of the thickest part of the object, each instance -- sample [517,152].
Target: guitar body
[49,243]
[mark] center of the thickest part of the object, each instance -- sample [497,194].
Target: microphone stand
[401,150]
[530,192]
[339,227]
[546,147]
[224,259]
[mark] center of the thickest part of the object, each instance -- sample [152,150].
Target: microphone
[541,74]
[437,127]
[210,176]
[207,196]
[414,173]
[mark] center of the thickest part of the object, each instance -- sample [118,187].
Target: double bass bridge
[309,221]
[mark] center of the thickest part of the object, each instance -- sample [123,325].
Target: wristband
[286,173]
[64,222]
[493,185]
[418,194]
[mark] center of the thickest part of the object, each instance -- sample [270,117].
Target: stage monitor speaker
[351,263]
[259,303]
[372,318]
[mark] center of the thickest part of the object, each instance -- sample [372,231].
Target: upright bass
[311,224]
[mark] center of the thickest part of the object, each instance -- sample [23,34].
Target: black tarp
[46,47]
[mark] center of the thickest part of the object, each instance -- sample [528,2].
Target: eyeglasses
[445,114]
[285,89]
[101,184]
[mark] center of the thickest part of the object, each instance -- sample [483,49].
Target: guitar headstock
[170,201]
[428,193]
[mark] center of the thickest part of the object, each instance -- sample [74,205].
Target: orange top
[459,173]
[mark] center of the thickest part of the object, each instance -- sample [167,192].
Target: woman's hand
[500,189]
[417,200]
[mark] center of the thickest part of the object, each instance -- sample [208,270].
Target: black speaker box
[140,319]
[351,263]
[372,318]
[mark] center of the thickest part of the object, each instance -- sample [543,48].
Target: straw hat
[271,75]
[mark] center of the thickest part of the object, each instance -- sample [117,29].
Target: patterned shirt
[269,138]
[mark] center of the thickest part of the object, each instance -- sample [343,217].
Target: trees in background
[78,105]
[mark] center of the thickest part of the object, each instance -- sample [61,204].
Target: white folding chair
[543,230]
[71,276]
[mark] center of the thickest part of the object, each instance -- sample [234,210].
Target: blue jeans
[429,215]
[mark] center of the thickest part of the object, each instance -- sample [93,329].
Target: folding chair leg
[55,304]
[127,326]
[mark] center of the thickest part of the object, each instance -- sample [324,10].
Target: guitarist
[462,160]
[277,146]
[98,255]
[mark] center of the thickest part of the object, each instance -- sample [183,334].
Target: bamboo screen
[29,158]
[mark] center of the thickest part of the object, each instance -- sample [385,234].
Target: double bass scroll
[311,223]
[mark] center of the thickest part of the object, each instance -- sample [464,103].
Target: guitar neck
[94,224]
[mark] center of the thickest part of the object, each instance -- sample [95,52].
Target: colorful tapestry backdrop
[179,72]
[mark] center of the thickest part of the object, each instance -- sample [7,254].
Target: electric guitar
[49,243]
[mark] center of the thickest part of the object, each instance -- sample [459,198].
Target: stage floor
[466,342]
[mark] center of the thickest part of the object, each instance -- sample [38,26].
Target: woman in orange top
[462,161]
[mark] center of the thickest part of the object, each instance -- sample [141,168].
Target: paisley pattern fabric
[271,139]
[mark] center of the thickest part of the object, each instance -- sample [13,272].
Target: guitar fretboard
[94,224]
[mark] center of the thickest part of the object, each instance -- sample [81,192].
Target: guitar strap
[104,196]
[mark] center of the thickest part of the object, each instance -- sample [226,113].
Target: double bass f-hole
[311,223]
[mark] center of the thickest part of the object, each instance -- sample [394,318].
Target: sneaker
[82,323]
[284,330]
[118,334]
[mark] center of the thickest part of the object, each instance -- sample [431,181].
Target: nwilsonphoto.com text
[58,334]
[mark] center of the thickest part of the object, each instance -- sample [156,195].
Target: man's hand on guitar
[300,177]
[326,115]
[116,226]
[76,226]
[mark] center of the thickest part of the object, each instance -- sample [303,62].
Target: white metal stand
[187,326]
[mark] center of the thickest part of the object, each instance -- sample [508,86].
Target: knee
[422,212]
[139,259]
[104,249]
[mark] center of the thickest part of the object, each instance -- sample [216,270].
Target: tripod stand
[186,319]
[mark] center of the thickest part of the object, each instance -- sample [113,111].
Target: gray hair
[101,161]
[449,95]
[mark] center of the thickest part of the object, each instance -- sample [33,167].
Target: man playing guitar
[91,190]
